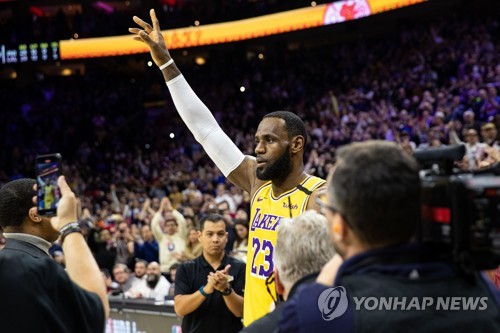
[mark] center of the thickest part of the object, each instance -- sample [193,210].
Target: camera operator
[372,207]
[37,294]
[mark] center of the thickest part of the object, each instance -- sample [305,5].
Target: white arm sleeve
[204,127]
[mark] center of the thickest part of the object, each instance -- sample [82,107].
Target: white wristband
[165,65]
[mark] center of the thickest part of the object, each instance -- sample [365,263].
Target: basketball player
[49,195]
[275,178]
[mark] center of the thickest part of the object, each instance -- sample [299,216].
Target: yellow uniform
[267,213]
[48,196]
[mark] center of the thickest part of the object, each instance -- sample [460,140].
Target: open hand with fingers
[152,37]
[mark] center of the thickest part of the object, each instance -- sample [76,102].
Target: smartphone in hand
[48,169]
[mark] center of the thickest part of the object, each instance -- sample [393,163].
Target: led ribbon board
[293,20]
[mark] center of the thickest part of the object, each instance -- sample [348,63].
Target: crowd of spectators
[129,157]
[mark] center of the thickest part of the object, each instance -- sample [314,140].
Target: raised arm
[452,134]
[224,153]
[114,197]
[80,263]
[155,226]
[181,222]
[166,206]
[40,181]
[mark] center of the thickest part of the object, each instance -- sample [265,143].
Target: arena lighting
[66,72]
[267,25]
[103,7]
[200,61]
[36,11]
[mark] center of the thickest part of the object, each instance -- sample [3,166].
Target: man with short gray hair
[303,247]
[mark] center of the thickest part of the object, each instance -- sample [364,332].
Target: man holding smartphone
[38,295]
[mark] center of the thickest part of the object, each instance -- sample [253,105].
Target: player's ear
[297,144]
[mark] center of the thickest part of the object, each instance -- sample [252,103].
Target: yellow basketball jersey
[49,196]
[267,213]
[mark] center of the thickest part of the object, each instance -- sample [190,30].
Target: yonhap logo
[332,303]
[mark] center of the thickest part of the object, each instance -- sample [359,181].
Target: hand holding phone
[48,170]
[66,207]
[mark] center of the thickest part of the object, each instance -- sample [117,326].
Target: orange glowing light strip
[379,6]
[261,26]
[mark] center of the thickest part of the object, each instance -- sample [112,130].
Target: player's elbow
[179,310]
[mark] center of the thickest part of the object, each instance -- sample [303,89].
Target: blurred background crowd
[129,157]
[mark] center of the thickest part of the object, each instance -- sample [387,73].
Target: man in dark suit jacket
[37,294]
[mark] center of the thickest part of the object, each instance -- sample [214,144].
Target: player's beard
[277,170]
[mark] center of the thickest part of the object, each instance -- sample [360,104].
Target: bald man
[155,286]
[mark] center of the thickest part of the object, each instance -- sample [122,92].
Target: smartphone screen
[48,169]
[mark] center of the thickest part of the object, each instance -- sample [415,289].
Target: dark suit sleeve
[182,281]
[288,321]
[87,308]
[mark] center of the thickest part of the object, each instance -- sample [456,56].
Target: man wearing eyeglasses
[303,247]
[372,207]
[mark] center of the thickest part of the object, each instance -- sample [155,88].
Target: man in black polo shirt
[209,289]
